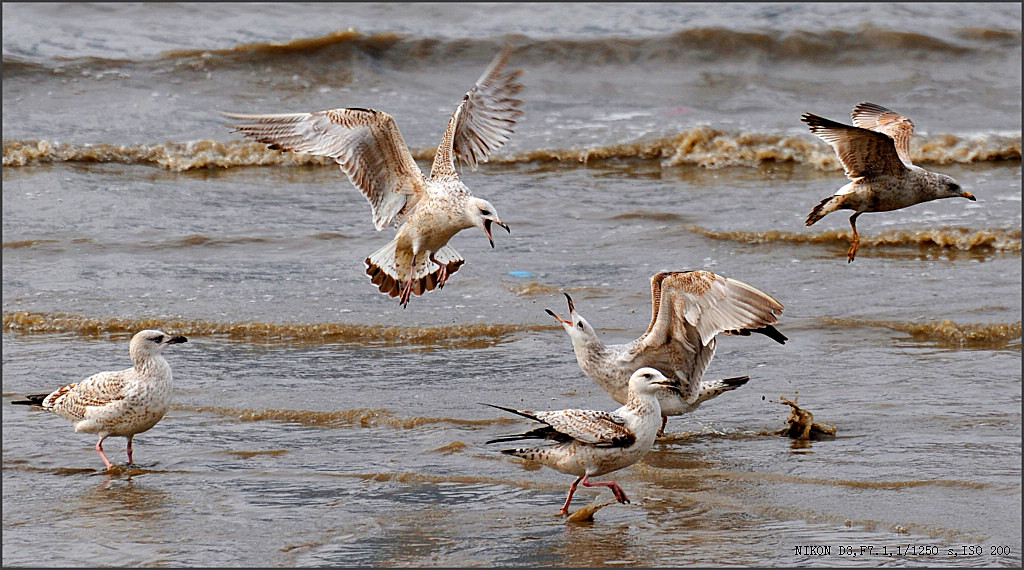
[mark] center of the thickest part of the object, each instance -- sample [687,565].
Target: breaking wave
[946,333]
[964,239]
[255,332]
[699,146]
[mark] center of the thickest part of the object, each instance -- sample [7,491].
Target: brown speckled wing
[879,119]
[97,390]
[365,143]
[863,152]
[484,120]
[589,426]
[692,307]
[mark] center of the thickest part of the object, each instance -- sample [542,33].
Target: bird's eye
[580,325]
[648,375]
[485,212]
[157,339]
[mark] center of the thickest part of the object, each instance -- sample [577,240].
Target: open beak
[560,319]
[671,386]
[487,229]
[177,340]
[969,196]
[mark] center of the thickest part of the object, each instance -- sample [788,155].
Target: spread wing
[365,143]
[863,152]
[599,428]
[886,121]
[483,122]
[690,308]
[97,390]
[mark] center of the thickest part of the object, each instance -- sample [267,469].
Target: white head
[149,343]
[578,328]
[949,188]
[648,381]
[482,214]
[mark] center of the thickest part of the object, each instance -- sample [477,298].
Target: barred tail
[389,269]
[825,207]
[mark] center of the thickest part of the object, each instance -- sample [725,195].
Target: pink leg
[442,276]
[407,290]
[99,448]
[572,489]
[130,450]
[664,420]
[620,495]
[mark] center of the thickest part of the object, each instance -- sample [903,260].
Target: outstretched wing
[690,308]
[886,121]
[483,122]
[863,152]
[365,143]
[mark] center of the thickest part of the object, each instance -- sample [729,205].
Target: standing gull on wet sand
[876,156]
[689,309]
[589,443]
[427,211]
[121,403]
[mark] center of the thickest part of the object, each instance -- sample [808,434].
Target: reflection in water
[118,498]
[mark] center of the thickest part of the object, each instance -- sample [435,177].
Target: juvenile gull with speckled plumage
[590,443]
[118,403]
[876,156]
[689,309]
[427,212]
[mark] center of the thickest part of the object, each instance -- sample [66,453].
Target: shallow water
[316,422]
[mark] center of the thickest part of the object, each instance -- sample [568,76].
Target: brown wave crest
[355,418]
[536,289]
[468,335]
[699,146]
[964,239]
[946,333]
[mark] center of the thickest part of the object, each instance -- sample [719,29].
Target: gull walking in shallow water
[876,156]
[589,443]
[690,308]
[427,211]
[121,403]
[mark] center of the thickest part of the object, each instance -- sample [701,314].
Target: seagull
[118,403]
[876,156]
[690,308]
[426,211]
[589,443]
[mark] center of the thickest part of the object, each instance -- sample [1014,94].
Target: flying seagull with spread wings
[876,156]
[118,403]
[427,211]
[589,443]
[689,310]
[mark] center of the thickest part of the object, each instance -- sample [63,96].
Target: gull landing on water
[121,403]
[589,443]
[876,156]
[427,211]
[689,309]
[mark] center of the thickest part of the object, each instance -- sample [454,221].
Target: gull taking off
[690,308]
[427,211]
[590,443]
[121,403]
[876,156]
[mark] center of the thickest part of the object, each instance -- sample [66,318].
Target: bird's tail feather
[389,269]
[713,389]
[32,400]
[825,207]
